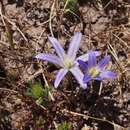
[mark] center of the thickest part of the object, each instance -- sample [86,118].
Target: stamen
[94,71]
[68,62]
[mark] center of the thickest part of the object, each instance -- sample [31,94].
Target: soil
[24,29]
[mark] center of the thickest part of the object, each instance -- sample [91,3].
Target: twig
[55,124]
[10,90]
[41,71]
[46,83]
[50,19]
[122,41]
[43,24]
[107,4]
[100,89]
[76,16]
[41,106]
[91,117]
[112,51]
[13,24]
[9,36]
[31,77]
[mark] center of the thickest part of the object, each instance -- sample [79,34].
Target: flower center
[94,71]
[68,62]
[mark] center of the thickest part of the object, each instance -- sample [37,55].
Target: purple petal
[108,74]
[84,57]
[60,76]
[92,59]
[59,49]
[83,65]
[102,64]
[86,78]
[79,76]
[74,45]
[97,78]
[49,57]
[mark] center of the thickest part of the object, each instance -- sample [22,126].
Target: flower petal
[60,76]
[79,76]
[86,78]
[97,78]
[74,45]
[83,65]
[108,74]
[91,59]
[59,49]
[104,62]
[49,57]
[84,57]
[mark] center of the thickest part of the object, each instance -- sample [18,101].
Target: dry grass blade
[112,51]
[47,85]
[14,25]
[9,90]
[93,118]
[122,41]
[122,76]
[51,16]
[3,18]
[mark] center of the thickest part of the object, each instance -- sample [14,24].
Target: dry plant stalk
[93,118]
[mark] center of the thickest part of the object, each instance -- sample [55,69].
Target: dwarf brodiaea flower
[67,62]
[94,70]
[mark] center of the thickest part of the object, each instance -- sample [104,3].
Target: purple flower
[94,70]
[68,62]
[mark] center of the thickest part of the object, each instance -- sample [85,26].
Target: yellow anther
[94,71]
[68,62]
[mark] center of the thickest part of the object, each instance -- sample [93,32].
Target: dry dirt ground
[24,29]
